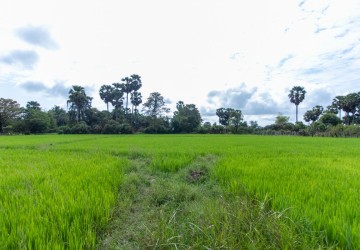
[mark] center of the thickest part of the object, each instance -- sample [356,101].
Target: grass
[54,198]
[178,191]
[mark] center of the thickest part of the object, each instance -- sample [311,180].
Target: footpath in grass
[186,209]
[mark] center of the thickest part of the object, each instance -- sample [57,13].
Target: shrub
[80,128]
[64,130]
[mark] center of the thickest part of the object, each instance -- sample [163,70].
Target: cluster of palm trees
[349,103]
[114,93]
[78,101]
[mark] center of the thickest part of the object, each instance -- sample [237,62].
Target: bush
[336,131]
[64,130]
[125,128]
[352,130]
[113,127]
[80,128]
[156,129]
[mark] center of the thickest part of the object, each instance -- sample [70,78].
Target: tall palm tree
[338,103]
[106,92]
[117,98]
[297,95]
[135,82]
[78,100]
[349,105]
[126,88]
[136,100]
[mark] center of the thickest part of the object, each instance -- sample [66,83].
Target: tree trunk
[107,106]
[127,100]
[296,113]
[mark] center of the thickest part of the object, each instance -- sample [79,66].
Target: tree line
[126,116]
[80,117]
[339,118]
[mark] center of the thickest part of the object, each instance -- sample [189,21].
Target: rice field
[62,191]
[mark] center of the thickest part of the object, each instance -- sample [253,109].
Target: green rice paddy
[67,192]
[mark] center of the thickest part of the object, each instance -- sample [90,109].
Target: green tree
[224,115]
[106,94]
[135,82]
[330,119]
[297,95]
[9,110]
[337,104]
[33,105]
[155,105]
[349,105]
[59,115]
[129,85]
[79,101]
[254,125]
[281,119]
[117,97]
[96,119]
[136,100]
[314,114]
[36,121]
[235,118]
[126,87]
[186,119]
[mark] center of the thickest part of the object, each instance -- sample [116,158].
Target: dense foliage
[126,116]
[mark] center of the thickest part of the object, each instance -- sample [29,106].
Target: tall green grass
[59,191]
[315,180]
[55,199]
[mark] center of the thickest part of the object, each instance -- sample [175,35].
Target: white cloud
[186,49]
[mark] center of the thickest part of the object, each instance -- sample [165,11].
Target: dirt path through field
[149,198]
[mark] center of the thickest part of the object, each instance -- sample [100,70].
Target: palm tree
[297,95]
[78,100]
[349,105]
[136,100]
[117,98]
[314,114]
[106,92]
[135,82]
[126,88]
[338,103]
[33,105]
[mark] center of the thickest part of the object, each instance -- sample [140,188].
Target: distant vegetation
[127,117]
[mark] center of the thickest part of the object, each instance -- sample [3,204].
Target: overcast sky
[226,53]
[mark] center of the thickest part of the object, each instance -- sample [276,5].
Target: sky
[239,54]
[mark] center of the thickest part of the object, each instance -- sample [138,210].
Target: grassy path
[186,209]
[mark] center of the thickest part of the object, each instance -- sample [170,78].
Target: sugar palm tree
[136,100]
[78,100]
[349,104]
[126,88]
[135,82]
[297,95]
[106,92]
